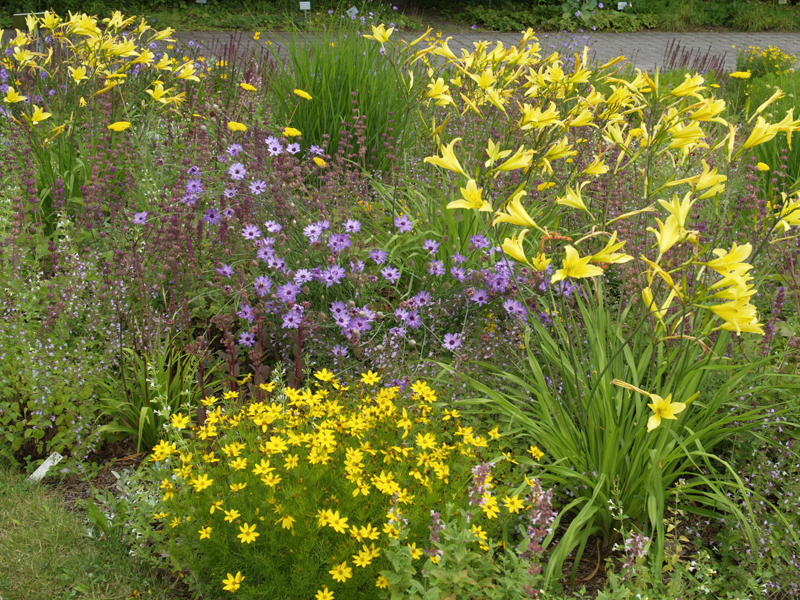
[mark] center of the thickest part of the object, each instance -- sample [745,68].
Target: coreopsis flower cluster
[321,479]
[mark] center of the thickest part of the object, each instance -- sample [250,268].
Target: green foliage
[764,61]
[358,82]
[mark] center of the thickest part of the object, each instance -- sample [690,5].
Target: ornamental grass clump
[303,491]
[646,387]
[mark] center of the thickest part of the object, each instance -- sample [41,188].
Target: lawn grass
[46,554]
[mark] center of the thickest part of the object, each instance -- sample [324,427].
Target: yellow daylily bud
[668,234]
[574,198]
[520,160]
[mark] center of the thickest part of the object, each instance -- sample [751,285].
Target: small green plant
[764,61]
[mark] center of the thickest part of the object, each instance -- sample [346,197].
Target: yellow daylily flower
[78,74]
[540,262]
[609,253]
[679,208]
[513,247]
[685,135]
[596,167]
[663,408]
[515,213]
[448,159]
[739,316]
[762,132]
[38,115]
[574,198]
[575,267]
[690,87]
[495,153]
[669,233]
[731,260]
[471,198]
[380,34]
[520,160]
[12,96]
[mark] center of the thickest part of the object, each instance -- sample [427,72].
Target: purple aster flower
[342,320]
[287,292]
[403,223]
[565,288]
[293,148]
[266,253]
[302,276]
[339,351]
[230,193]
[391,274]
[195,170]
[272,227]
[294,318]
[258,187]
[338,242]
[246,312]
[251,232]
[458,273]
[247,339]
[459,258]
[352,226]
[356,266]
[431,246]
[273,262]
[452,341]
[194,187]
[339,308]
[274,146]
[140,218]
[360,324]
[262,285]
[225,271]
[420,300]
[479,242]
[188,200]
[601,5]
[313,232]
[436,268]
[480,297]
[378,255]
[222,158]
[234,150]
[332,275]
[228,213]
[314,149]
[212,217]
[413,320]
[515,308]
[237,171]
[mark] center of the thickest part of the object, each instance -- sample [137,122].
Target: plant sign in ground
[371,319]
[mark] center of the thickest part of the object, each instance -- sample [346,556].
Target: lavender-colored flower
[601,5]
[294,318]
[225,271]
[342,320]
[287,292]
[188,200]
[251,232]
[222,158]
[458,273]
[360,324]
[293,148]
[212,217]
[480,297]
[272,227]
[459,258]
[258,187]
[247,339]
[262,285]
[234,150]
[403,223]
[313,232]
[246,312]
[413,320]
[314,149]
[515,308]
[391,274]
[420,299]
[452,341]
[195,170]
[140,218]
[339,242]
[356,266]
[274,146]
[194,187]
[436,268]
[265,253]
[352,226]
[228,213]
[339,351]
[230,193]
[333,275]
[431,246]
[378,255]
[237,171]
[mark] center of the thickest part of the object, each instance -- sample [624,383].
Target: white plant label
[51,461]
[352,12]
[200,1]
[305,6]
[621,5]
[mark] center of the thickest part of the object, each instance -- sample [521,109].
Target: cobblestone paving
[645,50]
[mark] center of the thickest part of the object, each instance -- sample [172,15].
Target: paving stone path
[646,50]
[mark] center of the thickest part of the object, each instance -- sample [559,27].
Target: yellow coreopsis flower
[233,582]
[119,126]
[663,408]
[205,532]
[762,166]
[179,421]
[319,162]
[448,159]
[380,33]
[302,94]
[575,267]
[248,533]
[342,572]
[513,504]
[370,378]
[324,594]
[234,126]
[471,198]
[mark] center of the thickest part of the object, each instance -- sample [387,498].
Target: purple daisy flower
[272,227]
[195,170]
[403,223]
[313,232]
[352,226]
[436,268]
[479,242]
[225,271]
[302,276]
[251,232]
[458,273]
[287,292]
[294,318]
[262,285]
[480,297]
[452,341]
[234,149]
[194,187]
[293,148]
[378,255]
[274,146]
[247,339]
[212,217]
[413,320]
[339,351]
[339,242]
[140,218]
[258,187]
[356,266]
[391,274]
[230,193]
[246,312]
[228,213]
[237,171]
[332,275]
[515,308]
[431,246]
